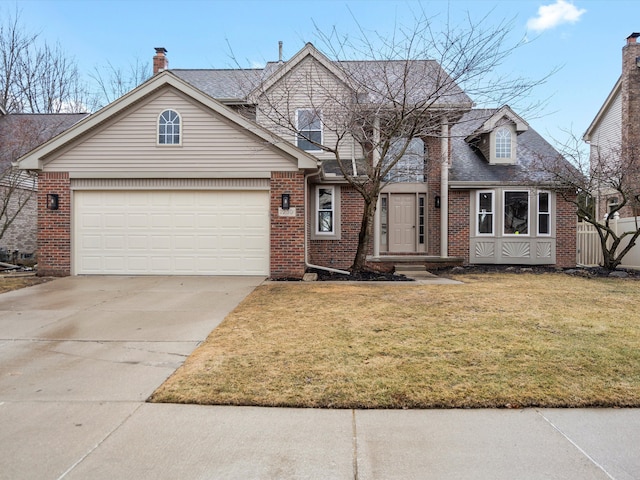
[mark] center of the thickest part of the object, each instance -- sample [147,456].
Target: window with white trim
[409,166]
[485,215]
[503,143]
[516,213]
[309,127]
[544,213]
[325,210]
[169,128]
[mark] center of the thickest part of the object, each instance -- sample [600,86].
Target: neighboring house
[20,133]
[188,174]
[615,130]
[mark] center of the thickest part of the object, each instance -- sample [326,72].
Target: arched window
[169,128]
[503,143]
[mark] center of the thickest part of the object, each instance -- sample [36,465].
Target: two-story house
[257,172]
[614,137]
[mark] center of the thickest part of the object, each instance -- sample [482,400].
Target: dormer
[497,137]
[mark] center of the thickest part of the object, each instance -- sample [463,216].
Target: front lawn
[498,340]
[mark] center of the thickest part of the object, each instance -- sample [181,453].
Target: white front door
[402,223]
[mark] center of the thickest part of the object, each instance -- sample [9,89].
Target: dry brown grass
[14,282]
[497,340]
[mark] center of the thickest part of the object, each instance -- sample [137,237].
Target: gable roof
[36,159]
[490,123]
[469,168]
[22,132]
[372,76]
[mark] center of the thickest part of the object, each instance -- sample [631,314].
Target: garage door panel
[171,232]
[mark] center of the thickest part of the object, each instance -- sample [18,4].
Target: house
[614,133]
[20,133]
[255,172]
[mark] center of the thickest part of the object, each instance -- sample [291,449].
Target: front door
[402,223]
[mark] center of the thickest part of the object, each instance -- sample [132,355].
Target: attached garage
[167,180]
[171,232]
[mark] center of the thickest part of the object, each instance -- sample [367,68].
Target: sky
[579,40]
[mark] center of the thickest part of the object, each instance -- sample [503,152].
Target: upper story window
[503,143]
[169,128]
[309,126]
[410,166]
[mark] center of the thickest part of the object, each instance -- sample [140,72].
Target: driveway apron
[80,355]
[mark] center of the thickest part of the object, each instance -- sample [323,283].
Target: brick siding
[459,221]
[287,233]
[54,226]
[566,231]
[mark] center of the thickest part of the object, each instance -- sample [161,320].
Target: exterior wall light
[437,201]
[285,201]
[52,201]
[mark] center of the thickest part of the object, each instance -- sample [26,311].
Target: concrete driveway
[79,356]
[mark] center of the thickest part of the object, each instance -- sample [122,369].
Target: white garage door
[171,232]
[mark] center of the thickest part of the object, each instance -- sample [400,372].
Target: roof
[22,132]
[469,166]
[367,76]
[36,159]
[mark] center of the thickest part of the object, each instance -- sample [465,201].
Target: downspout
[306,234]
[444,191]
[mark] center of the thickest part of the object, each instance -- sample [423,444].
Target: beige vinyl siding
[608,132]
[210,144]
[305,87]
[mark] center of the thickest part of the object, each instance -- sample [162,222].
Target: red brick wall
[566,226]
[459,221]
[287,233]
[340,253]
[433,189]
[54,226]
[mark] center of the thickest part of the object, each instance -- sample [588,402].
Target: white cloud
[550,16]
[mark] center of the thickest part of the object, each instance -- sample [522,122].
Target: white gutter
[444,192]
[306,223]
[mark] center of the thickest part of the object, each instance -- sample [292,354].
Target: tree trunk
[364,237]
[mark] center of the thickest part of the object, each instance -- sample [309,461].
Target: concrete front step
[413,271]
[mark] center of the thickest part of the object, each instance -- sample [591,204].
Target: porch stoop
[415,263]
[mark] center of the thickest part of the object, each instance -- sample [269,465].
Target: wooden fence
[589,252]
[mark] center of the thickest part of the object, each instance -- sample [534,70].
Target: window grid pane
[485,213]
[169,128]
[544,224]
[325,210]
[503,143]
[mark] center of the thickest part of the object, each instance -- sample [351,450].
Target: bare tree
[36,77]
[590,180]
[113,82]
[378,94]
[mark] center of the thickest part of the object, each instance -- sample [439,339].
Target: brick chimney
[160,60]
[630,91]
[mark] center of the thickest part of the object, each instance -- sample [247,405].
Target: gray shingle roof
[468,164]
[423,78]
[22,132]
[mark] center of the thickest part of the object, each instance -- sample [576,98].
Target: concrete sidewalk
[79,356]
